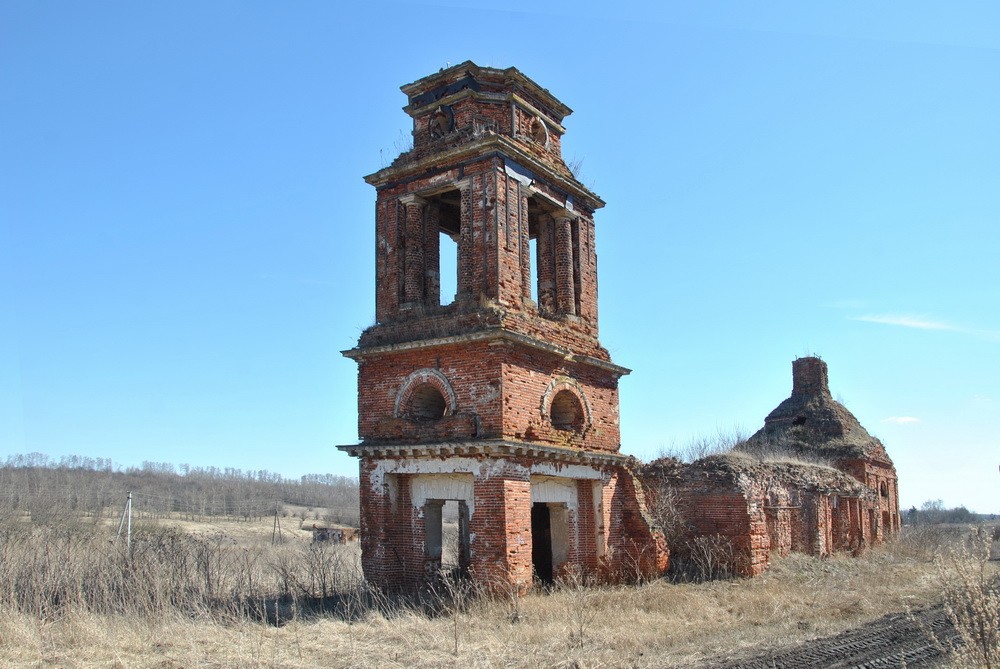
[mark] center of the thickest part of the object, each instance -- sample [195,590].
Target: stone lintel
[410,198]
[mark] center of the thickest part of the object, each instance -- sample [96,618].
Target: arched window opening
[883,489]
[426,403]
[566,412]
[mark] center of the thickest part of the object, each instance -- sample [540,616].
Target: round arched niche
[565,406]
[539,131]
[425,395]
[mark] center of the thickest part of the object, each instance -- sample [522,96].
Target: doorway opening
[549,539]
[541,542]
[446,538]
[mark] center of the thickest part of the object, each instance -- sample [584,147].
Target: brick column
[466,245]
[413,275]
[501,525]
[586,263]
[564,275]
[546,266]
[524,242]
[374,514]
[432,255]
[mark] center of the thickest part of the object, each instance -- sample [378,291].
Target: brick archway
[420,387]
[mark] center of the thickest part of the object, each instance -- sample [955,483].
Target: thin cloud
[904,321]
[901,420]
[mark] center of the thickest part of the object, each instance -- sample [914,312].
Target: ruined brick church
[499,404]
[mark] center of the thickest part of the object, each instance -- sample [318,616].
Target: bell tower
[498,398]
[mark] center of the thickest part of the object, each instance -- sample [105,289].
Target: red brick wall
[528,373]
[502,516]
[499,393]
[874,475]
[393,551]
[473,371]
[637,549]
[493,261]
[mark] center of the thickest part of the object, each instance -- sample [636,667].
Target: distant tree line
[933,512]
[36,485]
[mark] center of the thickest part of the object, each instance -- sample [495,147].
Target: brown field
[204,620]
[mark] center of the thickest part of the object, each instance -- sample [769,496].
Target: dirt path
[895,640]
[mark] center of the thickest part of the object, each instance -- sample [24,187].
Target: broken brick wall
[598,526]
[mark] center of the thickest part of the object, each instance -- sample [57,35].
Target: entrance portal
[549,539]
[541,542]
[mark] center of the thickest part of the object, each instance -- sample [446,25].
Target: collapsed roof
[812,424]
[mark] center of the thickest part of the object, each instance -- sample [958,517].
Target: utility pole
[276,530]
[126,523]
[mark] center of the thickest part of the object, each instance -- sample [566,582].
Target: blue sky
[186,242]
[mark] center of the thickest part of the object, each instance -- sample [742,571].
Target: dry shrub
[972,600]
[704,446]
[926,542]
[693,557]
[48,571]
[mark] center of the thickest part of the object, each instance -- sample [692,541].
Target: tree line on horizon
[933,512]
[44,489]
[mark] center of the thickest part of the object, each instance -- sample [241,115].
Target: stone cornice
[486,447]
[511,75]
[480,148]
[491,334]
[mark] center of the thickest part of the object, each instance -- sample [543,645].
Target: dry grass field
[203,620]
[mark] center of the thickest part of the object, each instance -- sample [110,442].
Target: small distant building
[338,534]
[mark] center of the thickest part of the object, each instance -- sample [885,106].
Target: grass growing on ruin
[651,625]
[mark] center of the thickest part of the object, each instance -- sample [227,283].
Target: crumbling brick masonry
[498,405]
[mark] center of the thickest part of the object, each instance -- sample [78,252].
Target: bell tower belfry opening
[502,403]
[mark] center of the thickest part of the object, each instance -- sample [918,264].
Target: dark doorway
[541,542]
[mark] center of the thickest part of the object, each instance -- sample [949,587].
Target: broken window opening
[448,267]
[533,266]
[426,403]
[566,412]
[443,224]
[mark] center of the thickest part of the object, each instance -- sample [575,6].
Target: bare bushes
[317,571]
[47,571]
[693,557]
[926,542]
[972,600]
[702,447]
